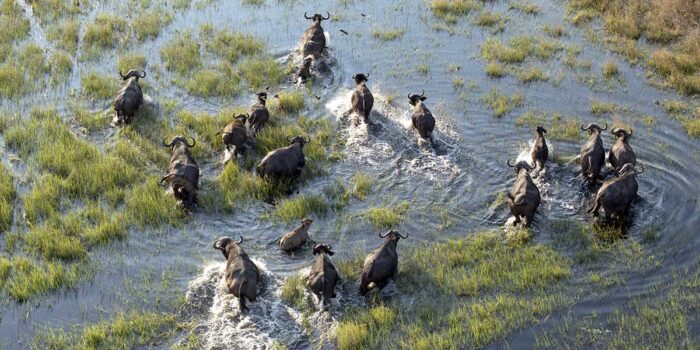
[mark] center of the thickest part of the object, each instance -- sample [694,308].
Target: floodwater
[450,187]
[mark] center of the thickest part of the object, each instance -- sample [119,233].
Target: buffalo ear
[331,253]
[316,248]
[422,98]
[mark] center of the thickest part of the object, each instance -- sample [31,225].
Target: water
[449,187]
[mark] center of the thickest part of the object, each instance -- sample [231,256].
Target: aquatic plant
[386,217]
[289,102]
[148,24]
[7,197]
[387,34]
[299,207]
[99,86]
[500,103]
[181,54]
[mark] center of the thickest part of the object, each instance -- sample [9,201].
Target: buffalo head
[242,117]
[133,73]
[622,133]
[392,235]
[300,140]
[519,166]
[360,78]
[323,248]
[541,130]
[179,140]
[591,128]
[308,60]
[317,17]
[223,242]
[414,99]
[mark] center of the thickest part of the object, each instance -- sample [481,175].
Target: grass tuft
[386,217]
[387,34]
[299,207]
[181,54]
[501,103]
[7,197]
[99,86]
[289,102]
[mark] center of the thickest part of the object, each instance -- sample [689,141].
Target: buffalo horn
[508,162]
[328,16]
[404,237]
[240,240]
[193,142]
[306,16]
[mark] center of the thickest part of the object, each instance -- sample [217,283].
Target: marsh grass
[598,107]
[65,35]
[496,22]
[475,286]
[61,65]
[289,102]
[500,103]
[386,217]
[7,197]
[15,27]
[149,205]
[555,31]
[131,60]
[518,49]
[24,278]
[13,82]
[387,34]
[495,70]
[123,331]
[529,75]
[299,207]
[530,9]
[231,46]
[99,86]
[260,72]
[362,185]
[609,69]
[181,54]
[33,61]
[148,24]
[106,31]
[292,292]
[449,10]
[221,81]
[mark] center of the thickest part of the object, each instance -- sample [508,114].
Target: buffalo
[524,197]
[616,195]
[286,161]
[183,172]
[313,42]
[130,97]
[305,71]
[242,276]
[421,118]
[235,134]
[294,239]
[381,264]
[258,115]
[362,99]
[592,153]
[540,152]
[621,153]
[323,276]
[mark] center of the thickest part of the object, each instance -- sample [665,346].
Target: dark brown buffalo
[381,264]
[421,118]
[258,115]
[362,99]
[130,97]
[616,194]
[235,134]
[285,162]
[313,42]
[323,276]
[621,153]
[540,152]
[524,197]
[183,172]
[242,276]
[592,153]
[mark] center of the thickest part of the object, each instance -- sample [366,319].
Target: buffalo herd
[242,276]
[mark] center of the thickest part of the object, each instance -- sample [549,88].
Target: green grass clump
[91,121]
[598,107]
[450,9]
[471,294]
[289,102]
[495,70]
[220,82]
[501,103]
[261,72]
[554,31]
[386,217]
[609,69]
[61,65]
[65,35]
[675,106]
[14,24]
[518,49]
[107,31]
[299,207]
[131,60]
[181,54]
[147,24]
[25,278]
[51,243]
[231,46]
[362,185]
[238,185]
[33,60]
[495,21]
[292,291]
[99,86]
[53,10]
[531,74]
[135,330]
[203,127]
[12,81]
[148,205]
[530,9]
[388,34]
[7,197]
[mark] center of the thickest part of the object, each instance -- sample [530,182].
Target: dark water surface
[450,189]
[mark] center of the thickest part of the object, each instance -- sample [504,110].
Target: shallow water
[453,182]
